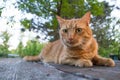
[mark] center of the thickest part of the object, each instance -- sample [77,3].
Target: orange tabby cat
[76,46]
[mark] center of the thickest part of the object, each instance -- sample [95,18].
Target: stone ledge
[17,69]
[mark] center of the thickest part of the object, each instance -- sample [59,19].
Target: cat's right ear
[60,20]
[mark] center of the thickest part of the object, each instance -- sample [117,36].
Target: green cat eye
[65,30]
[78,30]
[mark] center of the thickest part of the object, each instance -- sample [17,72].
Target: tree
[1,8]
[47,9]
[4,47]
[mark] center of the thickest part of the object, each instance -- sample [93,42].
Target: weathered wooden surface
[17,69]
[96,72]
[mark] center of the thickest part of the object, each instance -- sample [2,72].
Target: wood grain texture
[17,69]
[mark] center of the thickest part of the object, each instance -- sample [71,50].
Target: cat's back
[51,51]
[55,45]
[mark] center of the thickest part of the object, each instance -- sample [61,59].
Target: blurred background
[27,25]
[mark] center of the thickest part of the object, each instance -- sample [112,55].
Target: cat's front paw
[109,62]
[84,63]
[26,58]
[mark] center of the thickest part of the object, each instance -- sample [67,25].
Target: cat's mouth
[71,43]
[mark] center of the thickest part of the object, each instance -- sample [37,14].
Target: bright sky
[14,29]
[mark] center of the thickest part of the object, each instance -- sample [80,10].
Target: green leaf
[26,23]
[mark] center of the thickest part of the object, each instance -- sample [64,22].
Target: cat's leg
[32,58]
[78,62]
[98,60]
[39,57]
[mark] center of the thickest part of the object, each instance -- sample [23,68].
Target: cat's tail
[32,58]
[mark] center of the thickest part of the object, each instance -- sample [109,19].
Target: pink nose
[70,39]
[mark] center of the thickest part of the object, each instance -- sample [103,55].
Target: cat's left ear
[87,17]
[60,20]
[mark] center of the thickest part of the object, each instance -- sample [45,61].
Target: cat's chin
[71,45]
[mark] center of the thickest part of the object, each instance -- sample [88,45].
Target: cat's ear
[60,20]
[87,17]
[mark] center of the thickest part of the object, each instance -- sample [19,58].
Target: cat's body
[76,46]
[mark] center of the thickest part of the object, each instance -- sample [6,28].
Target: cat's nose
[70,39]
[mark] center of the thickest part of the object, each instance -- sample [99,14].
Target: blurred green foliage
[105,34]
[110,50]
[47,9]
[4,46]
[32,48]
[100,22]
[26,23]
[1,8]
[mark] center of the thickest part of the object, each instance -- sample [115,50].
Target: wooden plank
[17,69]
[97,72]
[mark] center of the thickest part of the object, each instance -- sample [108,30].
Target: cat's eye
[78,30]
[65,30]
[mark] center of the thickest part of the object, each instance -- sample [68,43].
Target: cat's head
[75,32]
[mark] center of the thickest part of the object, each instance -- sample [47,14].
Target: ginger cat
[76,46]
